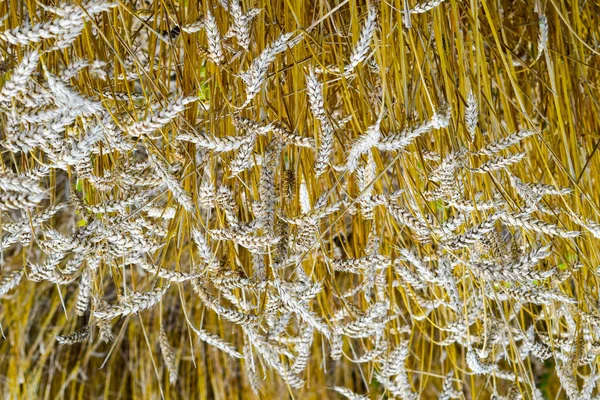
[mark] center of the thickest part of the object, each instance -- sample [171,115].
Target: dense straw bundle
[271,199]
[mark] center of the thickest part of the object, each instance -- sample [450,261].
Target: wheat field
[295,199]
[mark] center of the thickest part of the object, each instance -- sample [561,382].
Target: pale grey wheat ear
[499,163]
[251,368]
[169,356]
[359,53]
[161,118]
[448,391]
[317,106]
[471,115]
[501,144]
[85,291]
[132,303]
[20,76]
[193,27]
[172,183]
[543,37]
[255,76]
[349,394]
[215,341]
[218,145]
[241,22]
[426,6]
[478,366]
[363,144]
[214,37]
[10,281]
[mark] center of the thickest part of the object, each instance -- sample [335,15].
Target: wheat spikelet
[214,37]
[568,383]
[314,91]
[316,213]
[69,99]
[393,364]
[325,148]
[173,184]
[252,243]
[266,189]
[204,250]
[519,270]
[471,115]
[91,6]
[590,225]
[161,118]
[243,160]
[525,222]
[20,76]
[403,216]
[360,265]
[372,355]
[296,306]
[19,201]
[502,144]
[398,141]
[448,392]
[193,27]
[498,163]
[349,394]
[75,337]
[10,281]
[426,6]
[543,37]
[398,387]
[159,212]
[541,351]
[218,145]
[272,359]
[303,348]
[363,144]
[476,233]
[367,324]
[359,53]
[20,183]
[215,341]
[85,292]
[230,280]
[306,237]
[55,29]
[241,22]
[478,366]
[172,276]
[538,296]
[169,356]
[289,184]
[289,137]
[304,198]
[251,126]
[548,190]
[106,334]
[250,367]
[255,76]
[131,304]
[234,316]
